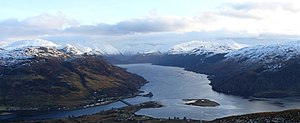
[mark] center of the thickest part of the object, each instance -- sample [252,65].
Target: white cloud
[49,21]
[261,17]
[149,24]
[248,18]
[33,27]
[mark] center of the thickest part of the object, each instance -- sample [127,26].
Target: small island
[150,94]
[201,102]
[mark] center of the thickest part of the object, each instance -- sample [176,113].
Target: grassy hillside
[59,82]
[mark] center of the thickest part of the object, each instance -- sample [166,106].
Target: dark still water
[172,84]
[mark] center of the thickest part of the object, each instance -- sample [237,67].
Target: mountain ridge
[203,47]
[83,47]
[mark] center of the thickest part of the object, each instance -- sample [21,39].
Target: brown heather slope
[64,82]
[288,116]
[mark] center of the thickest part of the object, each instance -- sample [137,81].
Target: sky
[104,11]
[152,22]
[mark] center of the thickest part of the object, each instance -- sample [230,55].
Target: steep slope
[260,71]
[45,77]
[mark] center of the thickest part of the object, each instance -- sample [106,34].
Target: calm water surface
[172,84]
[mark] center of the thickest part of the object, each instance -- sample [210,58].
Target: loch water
[169,86]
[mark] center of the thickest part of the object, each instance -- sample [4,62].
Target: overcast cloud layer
[234,19]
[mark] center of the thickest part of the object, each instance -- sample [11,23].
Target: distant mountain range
[258,71]
[203,48]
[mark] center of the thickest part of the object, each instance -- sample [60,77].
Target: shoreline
[86,106]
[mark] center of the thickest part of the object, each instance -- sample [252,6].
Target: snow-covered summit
[76,47]
[23,51]
[25,54]
[91,46]
[204,47]
[28,43]
[266,53]
[106,49]
[36,47]
[69,49]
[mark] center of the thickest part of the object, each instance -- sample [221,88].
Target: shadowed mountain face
[256,79]
[64,81]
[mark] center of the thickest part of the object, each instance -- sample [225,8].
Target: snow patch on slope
[91,46]
[80,46]
[204,48]
[69,49]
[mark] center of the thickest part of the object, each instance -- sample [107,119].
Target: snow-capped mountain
[81,46]
[91,46]
[28,43]
[259,71]
[25,50]
[204,48]
[266,53]
[26,54]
